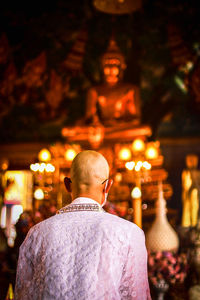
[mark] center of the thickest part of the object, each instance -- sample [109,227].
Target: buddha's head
[192,161]
[113,63]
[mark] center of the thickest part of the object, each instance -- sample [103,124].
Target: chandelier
[117,7]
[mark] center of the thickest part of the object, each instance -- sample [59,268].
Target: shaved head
[88,169]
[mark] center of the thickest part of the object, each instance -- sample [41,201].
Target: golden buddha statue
[112,108]
[114,102]
[190,191]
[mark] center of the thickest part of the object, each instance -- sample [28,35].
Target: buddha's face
[112,71]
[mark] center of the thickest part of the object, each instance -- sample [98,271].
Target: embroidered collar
[81,204]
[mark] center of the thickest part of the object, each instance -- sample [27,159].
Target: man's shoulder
[44,225]
[120,222]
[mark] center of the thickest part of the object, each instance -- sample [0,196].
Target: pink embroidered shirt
[83,253]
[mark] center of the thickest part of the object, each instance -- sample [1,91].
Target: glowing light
[114,70]
[50,168]
[181,84]
[37,165]
[125,154]
[118,177]
[41,168]
[130,165]
[146,165]
[4,164]
[151,152]
[39,194]
[70,154]
[17,210]
[44,155]
[95,135]
[136,193]
[106,71]
[138,166]
[32,167]
[10,241]
[144,206]
[189,65]
[3,217]
[138,145]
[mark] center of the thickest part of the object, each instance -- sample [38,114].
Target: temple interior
[121,77]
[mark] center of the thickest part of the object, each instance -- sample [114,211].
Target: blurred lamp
[138,166]
[130,165]
[70,154]
[151,152]
[125,154]
[39,194]
[50,168]
[44,155]
[118,177]
[118,7]
[41,167]
[136,193]
[138,145]
[146,165]
[4,163]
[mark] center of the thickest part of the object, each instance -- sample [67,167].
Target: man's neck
[92,196]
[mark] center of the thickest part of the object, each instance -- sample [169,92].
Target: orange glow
[125,154]
[112,61]
[19,189]
[118,177]
[138,145]
[115,71]
[111,73]
[106,71]
[151,152]
[96,135]
[44,155]
[102,100]
[4,164]
[111,70]
[70,154]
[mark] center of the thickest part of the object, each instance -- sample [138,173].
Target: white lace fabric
[83,255]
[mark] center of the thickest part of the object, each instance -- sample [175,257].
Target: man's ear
[108,185]
[67,182]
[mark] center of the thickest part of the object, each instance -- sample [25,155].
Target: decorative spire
[161,209]
[113,55]
[161,236]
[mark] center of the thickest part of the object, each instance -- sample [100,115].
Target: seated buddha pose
[190,191]
[113,102]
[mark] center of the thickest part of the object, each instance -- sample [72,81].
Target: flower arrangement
[168,266]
